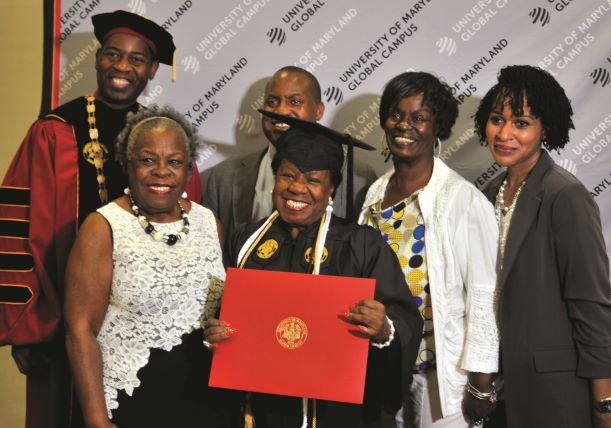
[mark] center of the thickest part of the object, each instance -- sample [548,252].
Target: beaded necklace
[148,227]
[504,214]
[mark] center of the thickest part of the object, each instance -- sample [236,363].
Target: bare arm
[88,280]
[219,231]
[601,389]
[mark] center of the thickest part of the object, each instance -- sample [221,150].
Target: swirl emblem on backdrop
[276,35]
[333,94]
[137,6]
[569,165]
[540,15]
[247,124]
[446,45]
[600,76]
[191,63]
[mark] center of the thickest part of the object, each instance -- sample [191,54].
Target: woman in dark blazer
[554,304]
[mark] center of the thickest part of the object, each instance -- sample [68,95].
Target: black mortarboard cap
[316,127]
[158,39]
[310,151]
[315,147]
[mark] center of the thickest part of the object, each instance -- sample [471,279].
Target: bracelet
[603,406]
[490,396]
[391,336]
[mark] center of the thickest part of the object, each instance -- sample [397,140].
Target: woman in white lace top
[442,229]
[137,283]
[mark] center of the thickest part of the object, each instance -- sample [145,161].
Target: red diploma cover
[290,338]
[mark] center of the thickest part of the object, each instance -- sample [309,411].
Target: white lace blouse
[158,292]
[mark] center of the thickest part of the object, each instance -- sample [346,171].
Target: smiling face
[124,66]
[515,141]
[301,197]
[289,93]
[410,130]
[157,173]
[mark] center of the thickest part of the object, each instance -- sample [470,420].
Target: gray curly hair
[154,116]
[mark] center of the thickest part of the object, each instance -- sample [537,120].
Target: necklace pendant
[95,153]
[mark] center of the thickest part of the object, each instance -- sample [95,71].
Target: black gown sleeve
[395,363]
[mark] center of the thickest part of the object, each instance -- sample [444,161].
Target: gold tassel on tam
[174,67]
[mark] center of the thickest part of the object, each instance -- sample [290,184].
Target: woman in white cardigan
[443,231]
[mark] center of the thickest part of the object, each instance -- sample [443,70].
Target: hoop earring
[384,145]
[438,148]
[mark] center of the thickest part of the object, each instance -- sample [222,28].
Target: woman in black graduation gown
[307,167]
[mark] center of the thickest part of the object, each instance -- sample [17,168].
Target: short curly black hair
[437,96]
[151,117]
[520,84]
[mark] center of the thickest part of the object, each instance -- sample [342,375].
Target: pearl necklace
[148,227]
[499,206]
[504,214]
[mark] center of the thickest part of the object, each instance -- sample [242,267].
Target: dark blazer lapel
[493,188]
[525,212]
[244,187]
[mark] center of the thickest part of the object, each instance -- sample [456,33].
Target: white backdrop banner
[227,50]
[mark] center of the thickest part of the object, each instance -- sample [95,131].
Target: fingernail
[363,328]
[230,331]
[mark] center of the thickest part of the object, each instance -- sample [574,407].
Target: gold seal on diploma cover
[308,255]
[291,333]
[267,249]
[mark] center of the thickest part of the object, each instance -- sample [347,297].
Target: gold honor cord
[249,420]
[95,152]
[258,238]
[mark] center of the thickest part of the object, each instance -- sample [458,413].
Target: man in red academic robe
[65,169]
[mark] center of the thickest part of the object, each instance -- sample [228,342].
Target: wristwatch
[603,406]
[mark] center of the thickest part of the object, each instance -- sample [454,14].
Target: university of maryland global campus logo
[276,35]
[600,76]
[540,15]
[333,94]
[291,333]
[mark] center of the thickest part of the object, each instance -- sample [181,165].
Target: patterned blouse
[402,226]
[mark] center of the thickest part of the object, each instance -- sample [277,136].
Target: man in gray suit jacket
[238,190]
